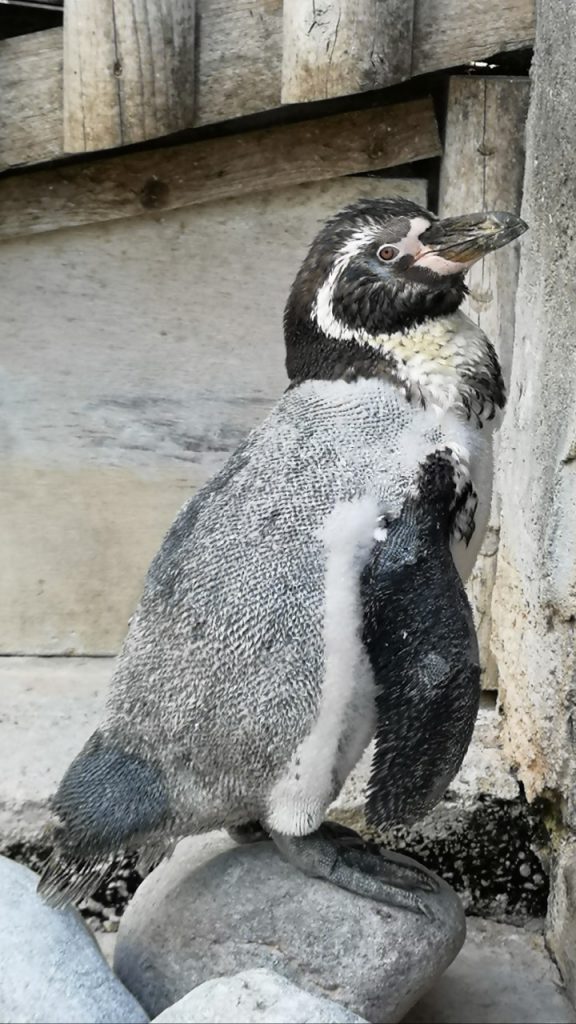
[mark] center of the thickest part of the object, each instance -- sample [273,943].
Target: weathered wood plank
[238,56]
[129,68]
[165,179]
[482,169]
[336,48]
[448,32]
[31,98]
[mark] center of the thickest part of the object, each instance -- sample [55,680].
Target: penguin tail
[67,880]
[110,801]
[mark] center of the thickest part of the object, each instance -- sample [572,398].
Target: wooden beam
[31,98]
[128,71]
[448,33]
[336,48]
[239,63]
[164,179]
[482,169]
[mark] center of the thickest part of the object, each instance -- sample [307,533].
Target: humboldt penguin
[306,598]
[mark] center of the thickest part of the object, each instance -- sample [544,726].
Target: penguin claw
[410,876]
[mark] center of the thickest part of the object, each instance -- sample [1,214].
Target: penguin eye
[387,253]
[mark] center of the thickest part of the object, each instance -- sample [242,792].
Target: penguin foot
[347,861]
[251,832]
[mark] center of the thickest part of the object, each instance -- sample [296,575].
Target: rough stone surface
[561,923]
[503,975]
[258,996]
[534,603]
[535,592]
[214,909]
[51,969]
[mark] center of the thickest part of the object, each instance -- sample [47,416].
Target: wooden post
[340,47]
[482,169]
[128,71]
[169,177]
[450,32]
[31,98]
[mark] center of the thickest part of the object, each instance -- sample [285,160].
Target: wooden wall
[156,74]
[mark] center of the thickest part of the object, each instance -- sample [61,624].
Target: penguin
[289,615]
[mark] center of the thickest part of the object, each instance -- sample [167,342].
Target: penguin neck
[446,362]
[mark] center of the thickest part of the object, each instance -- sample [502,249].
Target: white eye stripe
[322,309]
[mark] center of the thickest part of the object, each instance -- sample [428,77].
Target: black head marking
[365,292]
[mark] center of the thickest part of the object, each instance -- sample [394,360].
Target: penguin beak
[463,240]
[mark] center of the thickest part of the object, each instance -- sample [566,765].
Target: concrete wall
[135,357]
[534,608]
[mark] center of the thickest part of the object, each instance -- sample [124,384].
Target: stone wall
[534,604]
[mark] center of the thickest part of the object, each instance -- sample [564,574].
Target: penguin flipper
[420,637]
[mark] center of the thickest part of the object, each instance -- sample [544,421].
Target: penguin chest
[346,716]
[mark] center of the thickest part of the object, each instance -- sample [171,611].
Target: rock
[216,909]
[561,923]
[534,604]
[255,997]
[51,969]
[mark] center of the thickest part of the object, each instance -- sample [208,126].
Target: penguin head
[379,267]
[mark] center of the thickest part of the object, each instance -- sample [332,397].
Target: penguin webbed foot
[343,858]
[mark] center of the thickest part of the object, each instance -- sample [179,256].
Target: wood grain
[238,72]
[31,98]
[482,169]
[239,63]
[337,48]
[164,179]
[449,32]
[128,71]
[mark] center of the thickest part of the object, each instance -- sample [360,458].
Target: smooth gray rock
[215,909]
[255,997]
[51,970]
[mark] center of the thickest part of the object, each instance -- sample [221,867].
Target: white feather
[345,720]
